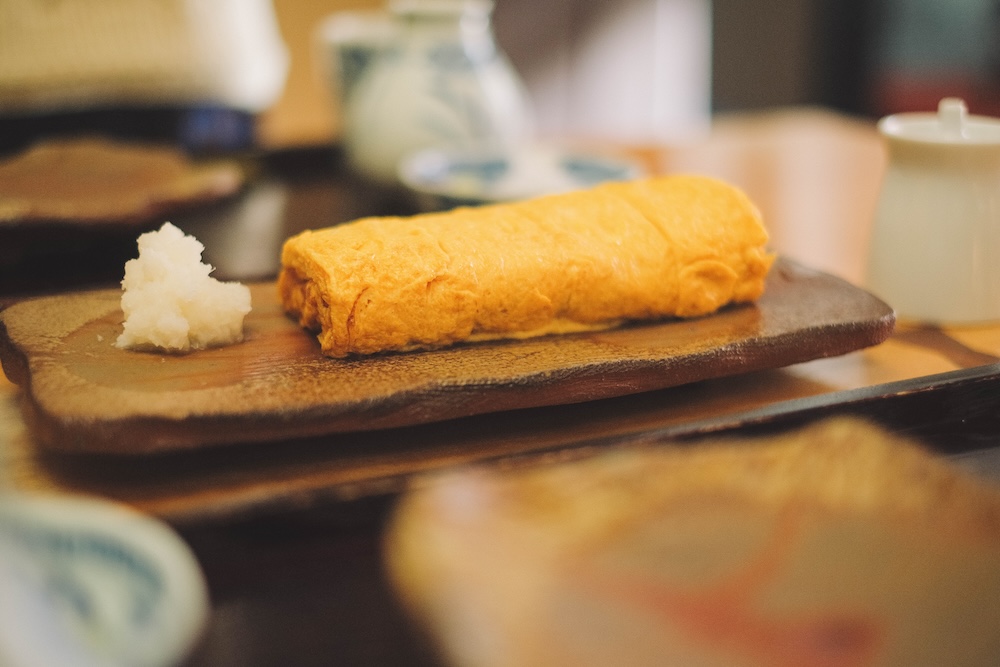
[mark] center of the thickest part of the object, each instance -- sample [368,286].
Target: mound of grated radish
[172,303]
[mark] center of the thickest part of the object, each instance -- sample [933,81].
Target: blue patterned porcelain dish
[445,179]
[87,583]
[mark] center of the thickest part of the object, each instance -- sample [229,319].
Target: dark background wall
[769,53]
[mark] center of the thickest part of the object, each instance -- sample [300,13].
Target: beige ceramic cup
[935,250]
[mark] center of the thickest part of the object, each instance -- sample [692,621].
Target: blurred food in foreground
[835,545]
[672,246]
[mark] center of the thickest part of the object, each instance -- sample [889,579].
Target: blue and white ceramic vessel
[439,81]
[87,583]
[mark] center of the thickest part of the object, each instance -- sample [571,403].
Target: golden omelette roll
[668,246]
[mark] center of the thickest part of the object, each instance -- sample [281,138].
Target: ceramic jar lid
[952,124]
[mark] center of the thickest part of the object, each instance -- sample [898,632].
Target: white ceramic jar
[441,82]
[935,248]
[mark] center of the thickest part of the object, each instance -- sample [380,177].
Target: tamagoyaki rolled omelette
[653,248]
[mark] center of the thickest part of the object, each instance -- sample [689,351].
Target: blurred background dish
[441,179]
[101,182]
[74,206]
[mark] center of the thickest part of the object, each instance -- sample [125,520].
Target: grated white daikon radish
[172,303]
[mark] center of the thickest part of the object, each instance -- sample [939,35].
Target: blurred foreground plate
[837,545]
[89,583]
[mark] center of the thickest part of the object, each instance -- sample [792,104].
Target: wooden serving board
[84,395]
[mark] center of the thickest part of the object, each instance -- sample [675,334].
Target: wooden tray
[84,395]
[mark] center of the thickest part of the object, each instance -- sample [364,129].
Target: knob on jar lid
[952,124]
[953,115]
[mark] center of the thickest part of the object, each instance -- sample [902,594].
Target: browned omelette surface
[101,181]
[669,246]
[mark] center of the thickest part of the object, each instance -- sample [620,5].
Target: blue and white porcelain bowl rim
[477,175]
